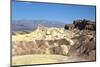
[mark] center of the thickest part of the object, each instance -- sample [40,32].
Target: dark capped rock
[84,24]
[69,26]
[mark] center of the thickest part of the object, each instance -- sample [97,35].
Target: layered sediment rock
[43,41]
[59,46]
[84,44]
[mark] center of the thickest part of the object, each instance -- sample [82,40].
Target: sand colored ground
[43,59]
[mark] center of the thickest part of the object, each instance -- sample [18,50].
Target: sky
[53,12]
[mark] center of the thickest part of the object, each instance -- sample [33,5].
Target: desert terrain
[72,43]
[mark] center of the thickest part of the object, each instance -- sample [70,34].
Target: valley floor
[43,59]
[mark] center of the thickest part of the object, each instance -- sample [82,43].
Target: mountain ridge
[25,25]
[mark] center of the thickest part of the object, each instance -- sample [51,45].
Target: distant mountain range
[30,25]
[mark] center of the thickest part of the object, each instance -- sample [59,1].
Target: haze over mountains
[30,25]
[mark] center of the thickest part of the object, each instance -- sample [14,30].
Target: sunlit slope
[43,40]
[45,34]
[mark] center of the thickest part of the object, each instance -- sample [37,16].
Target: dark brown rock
[84,24]
[69,26]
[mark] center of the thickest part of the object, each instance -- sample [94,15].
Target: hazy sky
[53,12]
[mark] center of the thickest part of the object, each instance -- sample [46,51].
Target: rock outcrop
[85,24]
[81,25]
[85,44]
[69,26]
[84,39]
